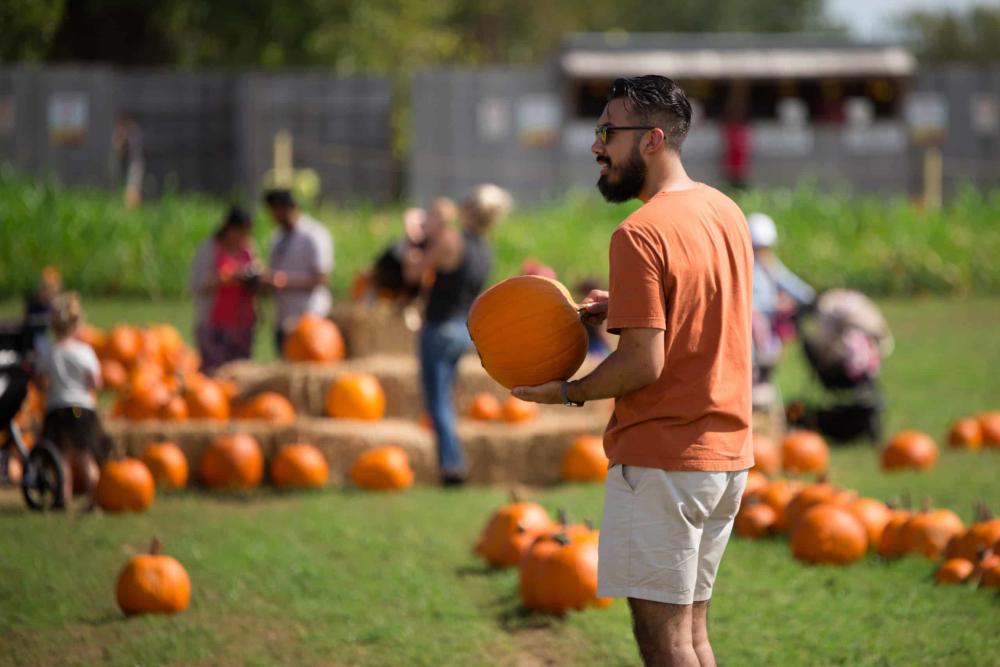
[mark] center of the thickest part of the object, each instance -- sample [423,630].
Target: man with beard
[679,440]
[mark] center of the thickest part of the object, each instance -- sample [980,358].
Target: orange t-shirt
[683,263]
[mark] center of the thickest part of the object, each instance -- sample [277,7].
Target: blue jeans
[441,346]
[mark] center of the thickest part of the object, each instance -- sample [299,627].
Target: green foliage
[28,27]
[347,578]
[955,36]
[878,245]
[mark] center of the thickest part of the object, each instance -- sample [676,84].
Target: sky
[873,19]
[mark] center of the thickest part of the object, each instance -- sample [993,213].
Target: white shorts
[664,532]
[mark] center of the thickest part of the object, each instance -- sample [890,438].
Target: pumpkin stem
[155,546]
[561,538]
[907,500]
[589,523]
[562,517]
[925,504]
[515,497]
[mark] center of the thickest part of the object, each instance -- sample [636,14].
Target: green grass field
[346,578]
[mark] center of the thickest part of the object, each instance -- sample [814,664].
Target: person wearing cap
[777,295]
[300,263]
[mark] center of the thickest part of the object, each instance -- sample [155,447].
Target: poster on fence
[68,114]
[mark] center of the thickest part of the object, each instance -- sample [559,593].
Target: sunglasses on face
[603,132]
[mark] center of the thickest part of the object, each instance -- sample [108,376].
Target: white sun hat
[763,231]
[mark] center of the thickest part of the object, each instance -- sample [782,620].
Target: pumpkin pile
[975,432]
[556,561]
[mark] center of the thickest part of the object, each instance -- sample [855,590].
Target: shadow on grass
[478,570]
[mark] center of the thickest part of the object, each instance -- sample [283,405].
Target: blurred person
[679,441]
[778,296]
[38,307]
[460,262]
[126,141]
[299,265]
[70,374]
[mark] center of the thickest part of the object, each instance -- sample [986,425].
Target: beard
[631,178]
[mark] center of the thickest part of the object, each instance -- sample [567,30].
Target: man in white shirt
[301,260]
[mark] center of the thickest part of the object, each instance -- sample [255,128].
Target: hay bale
[380,327]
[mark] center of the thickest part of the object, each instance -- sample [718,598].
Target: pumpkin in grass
[981,535]
[206,399]
[153,583]
[124,485]
[765,455]
[829,534]
[804,451]
[954,571]
[314,338]
[510,530]
[584,460]
[356,396]
[892,543]
[485,407]
[966,433]
[809,496]
[756,481]
[755,519]
[269,406]
[990,578]
[232,461]
[559,573]
[517,411]
[113,374]
[528,332]
[299,465]
[989,422]
[928,532]
[909,450]
[989,561]
[873,515]
[167,464]
[777,495]
[124,344]
[382,469]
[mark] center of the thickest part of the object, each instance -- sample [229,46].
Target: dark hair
[658,101]
[280,197]
[236,217]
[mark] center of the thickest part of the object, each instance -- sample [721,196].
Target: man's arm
[636,363]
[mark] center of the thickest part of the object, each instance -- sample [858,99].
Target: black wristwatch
[564,395]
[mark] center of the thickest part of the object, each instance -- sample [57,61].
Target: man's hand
[543,393]
[595,307]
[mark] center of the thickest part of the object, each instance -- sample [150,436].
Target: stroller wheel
[42,484]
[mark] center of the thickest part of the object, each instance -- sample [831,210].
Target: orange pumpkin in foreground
[910,450]
[382,469]
[585,461]
[820,493]
[299,465]
[527,331]
[829,534]
[804,451]
[124,485]
[314,338]
[356,396]
[167,464]
[509,532]
[517,411]
[485,407]
[232,461]
[153,583]
[892,543]
[966,433]
[268,406]
[558,573]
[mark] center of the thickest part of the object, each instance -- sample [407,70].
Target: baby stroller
[844,338]
[42,477]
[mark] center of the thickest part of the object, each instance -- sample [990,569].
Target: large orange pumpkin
[982,535]
[206,400]
[829,534]
[269,406]
[299,465]
[517,411]
[527,331]
[928,532]
[585,461]
[145,397]
[314,338]
[821,493]
[989,422]
[232,461]
[485,407]
[765,455]
[909,450]
[124,485]
[124,344]
[873,515]
[382,469]
[356,396]
[153,583]
[892,543]
[804,451]
[966,433]
[954,571]
[509,532]
[559,573]
[167,464]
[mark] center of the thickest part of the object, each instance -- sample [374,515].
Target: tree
[956,37]
[28,27]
